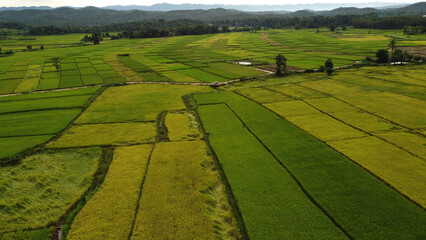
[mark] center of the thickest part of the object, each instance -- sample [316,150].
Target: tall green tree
[392,45]
[96,38]
[281,62]
[329,66]
[382,56]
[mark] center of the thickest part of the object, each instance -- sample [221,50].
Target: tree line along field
[122,141]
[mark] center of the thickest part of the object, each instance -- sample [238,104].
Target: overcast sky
[102,3]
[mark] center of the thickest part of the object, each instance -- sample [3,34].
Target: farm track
[131,83]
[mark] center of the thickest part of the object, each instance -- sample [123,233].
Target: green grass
[44,103]
[39,190]
[54,94]
[271,203]
[87,71]
[91,79]
[8,86]
[40,234]
[48,83]
[344,189]
[201,75]
[136,103]
[70,81]
[14,145]
[110,212]
[106,134]
[36,122]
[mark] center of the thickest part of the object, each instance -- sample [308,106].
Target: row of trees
[161,27]
[389,22]
[150,32]
[412,30]
[281,66]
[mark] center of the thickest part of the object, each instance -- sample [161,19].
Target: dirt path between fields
[133,83]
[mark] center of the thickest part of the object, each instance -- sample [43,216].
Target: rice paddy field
[171,138]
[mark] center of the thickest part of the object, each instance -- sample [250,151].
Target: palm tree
[392,45]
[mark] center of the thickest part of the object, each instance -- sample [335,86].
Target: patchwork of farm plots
[306,156]
[203,58]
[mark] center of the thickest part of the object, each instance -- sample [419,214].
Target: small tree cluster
[281,62]
[399,56]
[382,56]
[411,30]
[329,67]
[96,38]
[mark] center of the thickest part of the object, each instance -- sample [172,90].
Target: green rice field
[173,138]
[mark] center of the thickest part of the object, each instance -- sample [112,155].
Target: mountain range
[92,16]
[242,7]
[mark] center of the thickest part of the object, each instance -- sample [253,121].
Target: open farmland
[171,138]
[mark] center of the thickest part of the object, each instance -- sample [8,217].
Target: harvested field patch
[106,134]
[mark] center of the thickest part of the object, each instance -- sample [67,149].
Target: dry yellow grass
[330,105]
[411,142]
[400,169]
[407,111]
[182,126]
[263,95]
[296,91]
[364,121]
[364,38]
[172,205]
[123,70]
[106,134]
[325,127]
[109,214]
[291,108]
[334,87]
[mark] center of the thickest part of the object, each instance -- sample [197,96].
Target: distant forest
[186,22]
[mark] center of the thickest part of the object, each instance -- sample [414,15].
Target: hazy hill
[413,9]
[92,16]
[252,8]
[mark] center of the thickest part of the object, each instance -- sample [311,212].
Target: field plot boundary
[369,135]
[384,190]
[191,105]
[307,194]
[309,209]
[361,130]
[140,192]
[56,135]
